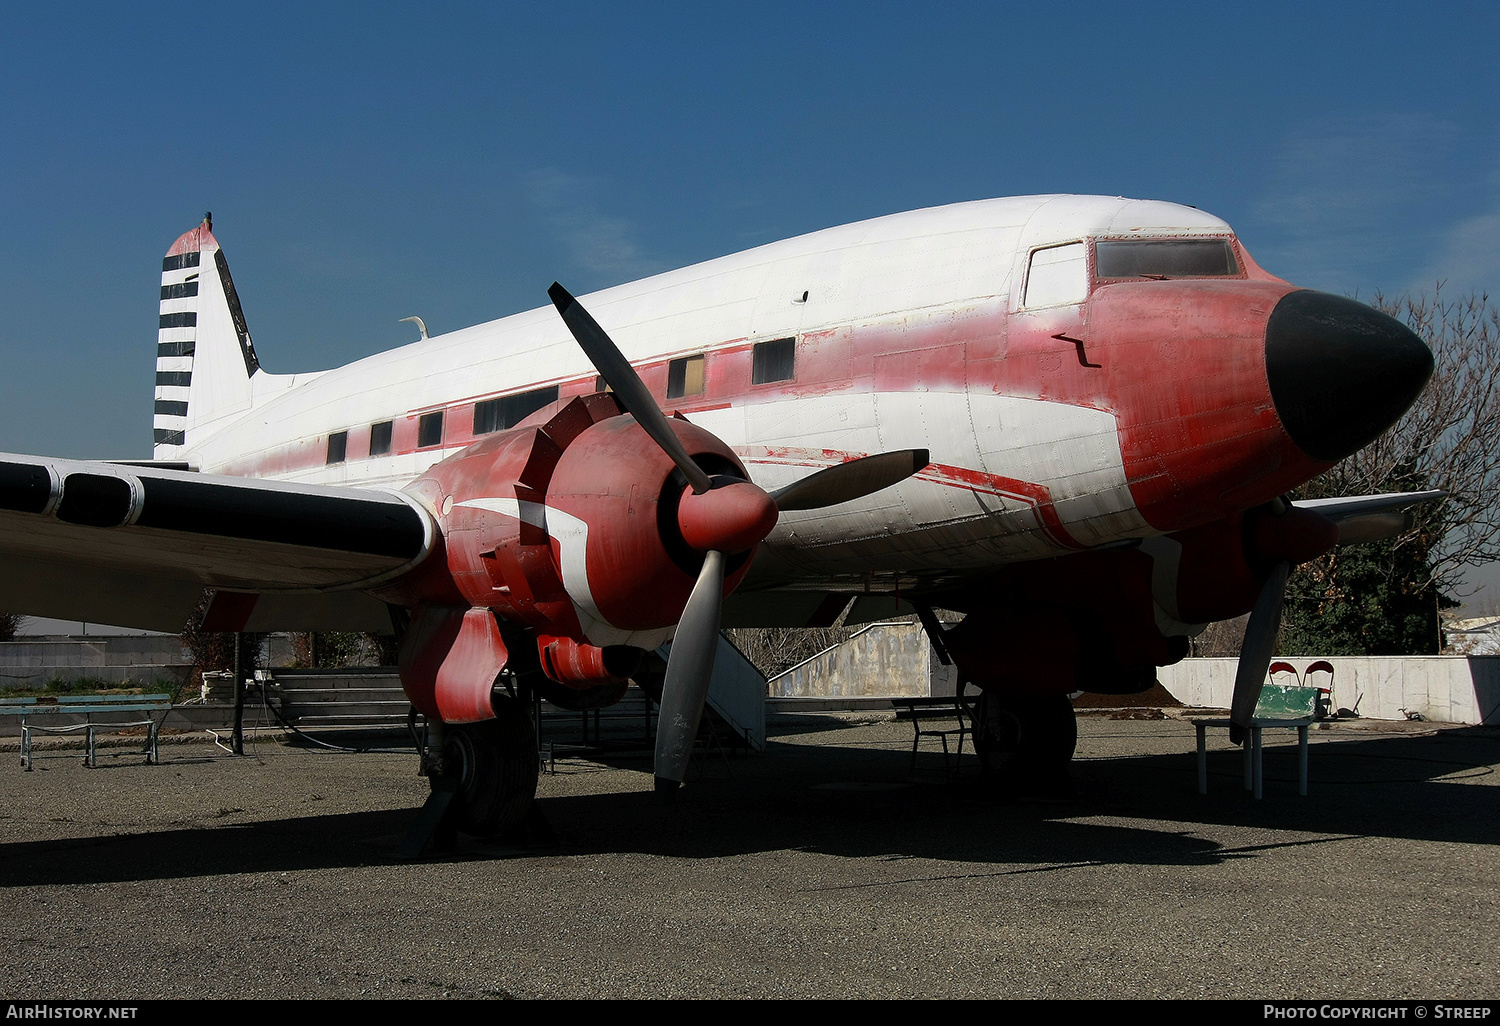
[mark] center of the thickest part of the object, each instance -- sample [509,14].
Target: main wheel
[494,765]
[1012,732]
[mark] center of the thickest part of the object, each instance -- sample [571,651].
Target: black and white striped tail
[176,340]
[201,331]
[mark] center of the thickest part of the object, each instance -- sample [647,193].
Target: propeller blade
[848,481]
[629,389]
[689,669]
[1255,653]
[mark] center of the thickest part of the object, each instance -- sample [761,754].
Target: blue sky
[366,162]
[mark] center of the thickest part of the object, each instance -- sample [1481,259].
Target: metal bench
[923,711]
[88,706]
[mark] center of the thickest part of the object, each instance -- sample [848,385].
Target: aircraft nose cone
[1340,372]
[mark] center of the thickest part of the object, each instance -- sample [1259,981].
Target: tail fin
[204,356]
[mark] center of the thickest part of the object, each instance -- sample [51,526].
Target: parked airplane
[1085,412]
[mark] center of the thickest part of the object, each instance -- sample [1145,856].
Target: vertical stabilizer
[204,356]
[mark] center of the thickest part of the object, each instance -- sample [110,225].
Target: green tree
[1371,599]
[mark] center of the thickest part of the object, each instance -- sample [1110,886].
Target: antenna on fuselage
[421,326]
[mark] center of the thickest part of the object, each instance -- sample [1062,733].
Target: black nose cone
[1340,372]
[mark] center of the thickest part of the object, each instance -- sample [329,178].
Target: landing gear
[483,778]
[493,767]
[1030,735]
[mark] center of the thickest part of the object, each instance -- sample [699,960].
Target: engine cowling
[1215,571]
[573,528]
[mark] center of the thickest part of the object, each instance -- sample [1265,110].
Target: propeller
[1280,536]
[1283,536]
[719,516]
[852,480]
[1255,652]
[629,389]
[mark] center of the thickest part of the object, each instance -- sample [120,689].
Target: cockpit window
[1057,276]
[1166,258]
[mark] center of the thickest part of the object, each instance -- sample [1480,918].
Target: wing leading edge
[136,546]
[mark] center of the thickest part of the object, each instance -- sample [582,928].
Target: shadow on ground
[861,802]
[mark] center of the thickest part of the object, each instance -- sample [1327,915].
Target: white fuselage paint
[924,265]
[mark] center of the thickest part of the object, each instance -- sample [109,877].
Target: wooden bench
[922,712]
[88,706]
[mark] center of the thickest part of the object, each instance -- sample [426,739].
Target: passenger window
[685,377]
[380,438]
[510,410]
[773,361]
[338,445]
[1058,276]
[430,429]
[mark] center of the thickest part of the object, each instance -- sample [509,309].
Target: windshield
[1166,258]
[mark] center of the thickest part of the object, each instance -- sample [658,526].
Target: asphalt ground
[822,868]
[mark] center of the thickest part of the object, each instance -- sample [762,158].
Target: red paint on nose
[731,517]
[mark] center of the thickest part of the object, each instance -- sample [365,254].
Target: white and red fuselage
[1076,389]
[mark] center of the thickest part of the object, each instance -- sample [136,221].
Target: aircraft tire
[1028,733]
[496,765]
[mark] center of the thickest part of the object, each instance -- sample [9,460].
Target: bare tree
[10,624]
[1222,639]
[1449,439]
[1386,597]
[774,650]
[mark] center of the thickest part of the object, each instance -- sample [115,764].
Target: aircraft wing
[136,546]
[1364,518]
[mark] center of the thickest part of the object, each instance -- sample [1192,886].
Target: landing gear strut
[1028,735]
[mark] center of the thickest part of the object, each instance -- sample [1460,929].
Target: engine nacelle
[1049,628]
[569,528]
[1215,571]
[583,666]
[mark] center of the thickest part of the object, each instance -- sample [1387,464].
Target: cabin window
[338,445]
[773,361]
[685,377]
[1058,276]
[430,429]
[510,410]
[380,438]
[1166,258]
